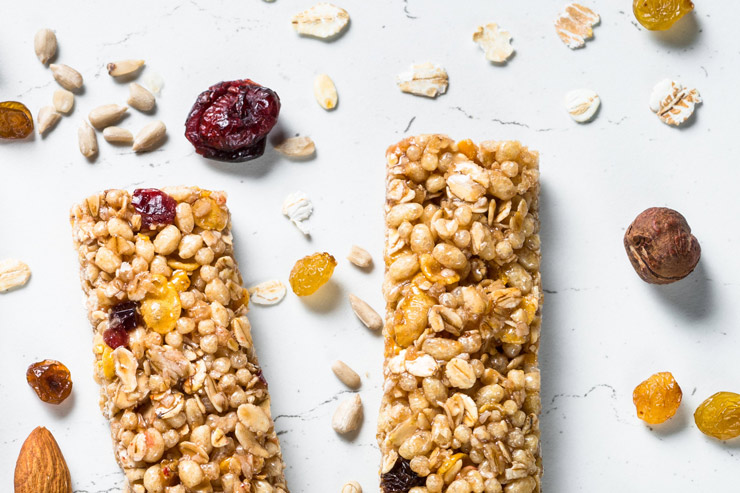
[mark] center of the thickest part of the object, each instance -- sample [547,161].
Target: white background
[604,330]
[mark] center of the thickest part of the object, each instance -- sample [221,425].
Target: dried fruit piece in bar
[657,398]
[16,121]
[659,15]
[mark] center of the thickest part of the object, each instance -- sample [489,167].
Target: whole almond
[348,416]
[365,313]
[106,115]
[66,76]
[87,140]
[118,135]
[45,45]
[345,374]
[63,101]
[150,136]
[46,119]
[124,67]
[41,467]
[140,97]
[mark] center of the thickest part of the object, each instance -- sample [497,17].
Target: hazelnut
[661,247]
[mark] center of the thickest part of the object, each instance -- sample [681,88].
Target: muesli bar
[461,392]
[189,409]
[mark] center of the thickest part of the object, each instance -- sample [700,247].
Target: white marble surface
[604,330]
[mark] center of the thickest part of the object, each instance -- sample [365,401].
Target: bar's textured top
[461,384]
[180,382]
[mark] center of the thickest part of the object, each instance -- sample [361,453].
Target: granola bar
[461,392]
[180,382]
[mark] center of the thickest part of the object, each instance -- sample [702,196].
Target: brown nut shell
[661,247]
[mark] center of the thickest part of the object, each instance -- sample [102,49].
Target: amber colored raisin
[230,120]
[719,416]
[657,398]
[311,272]
[161,308]
[659,15]
[156,207]
[208,214]
[16,121]
[400,479]
[50,380]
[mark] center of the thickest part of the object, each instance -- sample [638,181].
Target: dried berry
[661,247]
[400,479]
[311,272]
[50,380]
[115,337]
[124,315]
[657,398]
[230,121]
[659,15]
[156,207]
[719,416]
[16,121]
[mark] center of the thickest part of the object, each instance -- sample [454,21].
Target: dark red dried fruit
[400,479]
[124,315]
[261,377]
[50,380]
[156,207]
[230,121]
[115,337]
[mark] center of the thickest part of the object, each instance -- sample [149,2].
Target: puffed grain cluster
[189,410]
[461,383]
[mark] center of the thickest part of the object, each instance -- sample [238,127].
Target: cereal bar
[461,392]
[188,406]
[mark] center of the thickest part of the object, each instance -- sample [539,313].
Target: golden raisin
[435,272]
[468,148]
[659,15]
[180,280]
[107,363]
[411,318]
[657,398]
[311,272]
[50,380]
[161,308]
[719,416]
[16,121]
[209,215]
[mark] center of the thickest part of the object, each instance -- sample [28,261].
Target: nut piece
[575,25]
[124,67]
[106,115]
[41,467]
[46,119]
[325,92]
[496,43]
[582,104]
[323,21]
[672,102]
[87,140]
[150,136]
[424,79]
[140,97]
[66,76]
[348,416]
[267,293]
[360,257]
[352,487]
[63,101]
[365,313]
[298,147]
[118,135]
[45,45]
[661,247]
[346,375]
[13,274]
[298,208]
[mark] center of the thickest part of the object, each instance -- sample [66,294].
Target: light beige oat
[672,102]
[296,147]
[494,42]
[424,79]
[298,208]
[575,24]
[582,104]
[323,21]
[13,274]
[267,293]
[352,487]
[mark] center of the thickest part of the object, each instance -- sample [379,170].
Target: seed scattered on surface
[360,257]
[575,24]
[140,97]
[424,79]
[365,313]
[63,101]
[267,293]
[298,147]
[348,416]
[154,82]
[124,67]
[45,45]
[323,21]
[346,375]
[46,119]
[352,487]
[13,274]
[118,135]
[87,140]
[106,115]
[494,42]
[672,102]
[325,91]
[298,208]
[582,104]
[66,76]
[150,137]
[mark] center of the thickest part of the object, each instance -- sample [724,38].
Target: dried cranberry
[115,337]
[400,479]
[261,377]
[230,121]
[124,315]
[156,207]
